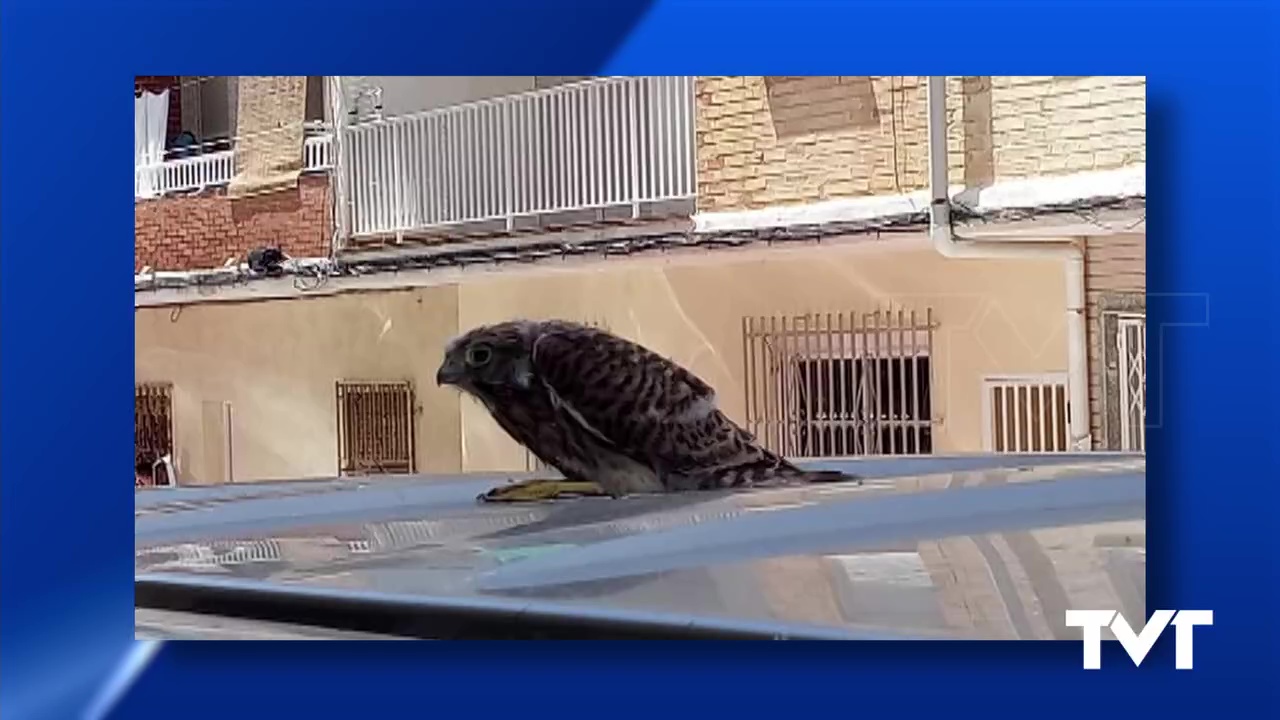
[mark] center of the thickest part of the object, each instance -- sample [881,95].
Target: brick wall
[1115,279]
[1055,125]
[787,140]
[197,232]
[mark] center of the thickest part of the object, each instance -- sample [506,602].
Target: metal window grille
[1026,413]
[152,420]
[841,384]
[1131,341]
[375,427]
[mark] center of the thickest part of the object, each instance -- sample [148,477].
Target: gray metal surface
[164,514]
[846,525]
[972,546]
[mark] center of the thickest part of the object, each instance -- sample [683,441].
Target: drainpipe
[1071,254]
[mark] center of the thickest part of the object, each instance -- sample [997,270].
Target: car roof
[991,546]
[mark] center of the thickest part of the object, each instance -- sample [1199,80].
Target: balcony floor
[533,225]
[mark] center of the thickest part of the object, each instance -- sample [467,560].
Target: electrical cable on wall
[320,271]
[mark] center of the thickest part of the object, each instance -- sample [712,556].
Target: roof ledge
[1045,191]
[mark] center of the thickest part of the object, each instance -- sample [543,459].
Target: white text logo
[1138,644]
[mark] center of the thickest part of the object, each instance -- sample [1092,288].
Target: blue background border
[66,366]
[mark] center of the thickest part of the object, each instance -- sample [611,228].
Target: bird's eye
[478,355]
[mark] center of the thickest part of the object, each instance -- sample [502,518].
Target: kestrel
[612,416]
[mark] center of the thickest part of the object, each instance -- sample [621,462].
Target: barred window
[153,420]
[1025,413]
[375,427]
[152,431]
[1130,341]
[837,384]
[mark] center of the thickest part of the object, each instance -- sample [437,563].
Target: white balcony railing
[603,143]
[591,145]
[214,169]
[317,153]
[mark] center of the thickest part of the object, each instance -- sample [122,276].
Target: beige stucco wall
[995,316]
[276,364]
[276,361]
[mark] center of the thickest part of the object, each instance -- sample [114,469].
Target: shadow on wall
[802,105]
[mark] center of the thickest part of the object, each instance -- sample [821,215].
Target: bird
[612,416]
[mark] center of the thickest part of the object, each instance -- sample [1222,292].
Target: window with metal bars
[153,420]
[1119,370]
[1026,413]
[375,427]
[841,384]
[1131,352]
[152,429]
[870,406]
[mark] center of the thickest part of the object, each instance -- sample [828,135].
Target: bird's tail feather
[792,475]
[826,476]
[778,473]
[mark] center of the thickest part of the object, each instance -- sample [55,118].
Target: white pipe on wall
[1070,253]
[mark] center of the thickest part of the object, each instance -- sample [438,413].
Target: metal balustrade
[608,142]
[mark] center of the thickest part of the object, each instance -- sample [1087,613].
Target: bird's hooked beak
[451,372]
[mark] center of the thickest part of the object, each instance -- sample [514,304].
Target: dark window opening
[864,406]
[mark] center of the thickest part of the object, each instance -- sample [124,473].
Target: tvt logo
[1138,644]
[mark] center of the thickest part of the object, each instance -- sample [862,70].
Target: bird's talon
[536,490]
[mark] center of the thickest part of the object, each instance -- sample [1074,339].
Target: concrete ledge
[1005,195]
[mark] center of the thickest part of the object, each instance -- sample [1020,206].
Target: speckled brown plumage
[600,408]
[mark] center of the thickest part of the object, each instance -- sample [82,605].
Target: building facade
[771,233]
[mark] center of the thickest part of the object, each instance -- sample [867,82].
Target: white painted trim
[1056,190]
[820,213]
[1008,194]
